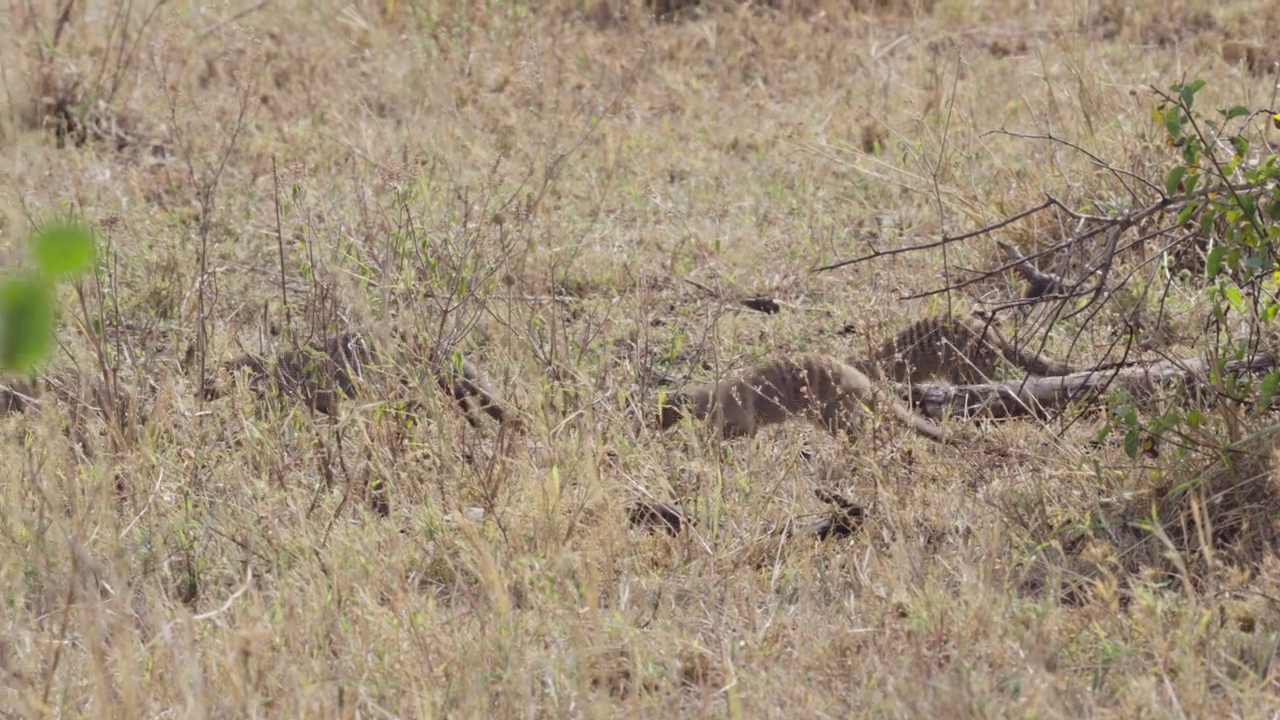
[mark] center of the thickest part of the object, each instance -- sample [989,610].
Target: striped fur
[961,350]
[823,390]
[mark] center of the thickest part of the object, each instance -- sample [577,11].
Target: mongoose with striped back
[821,389]
[963,350]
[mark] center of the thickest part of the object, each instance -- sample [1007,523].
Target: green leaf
[1173,182]
[1187,212]
[1188,92]
[1191,153]
[1206,221]
[26,322]
[1267,390]
[1189,185]
[1131,443]
[1214,261]
[1235,112]
[1173,122]
[1235,297]
[63,250]
[1195,419]
[1249,205]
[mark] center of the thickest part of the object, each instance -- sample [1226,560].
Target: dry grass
[533,185]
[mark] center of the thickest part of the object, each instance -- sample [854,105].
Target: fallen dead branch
[1041,396]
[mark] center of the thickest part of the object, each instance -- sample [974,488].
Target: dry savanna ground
[535,185]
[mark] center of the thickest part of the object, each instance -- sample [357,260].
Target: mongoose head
[671,409]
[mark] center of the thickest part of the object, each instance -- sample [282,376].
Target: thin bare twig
[1119,173]
[945,240]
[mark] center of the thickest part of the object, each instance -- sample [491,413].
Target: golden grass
[572,163]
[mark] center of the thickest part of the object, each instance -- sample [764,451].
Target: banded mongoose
[962,350]
[824,390]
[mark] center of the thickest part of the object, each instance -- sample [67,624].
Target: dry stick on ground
[1040,396]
